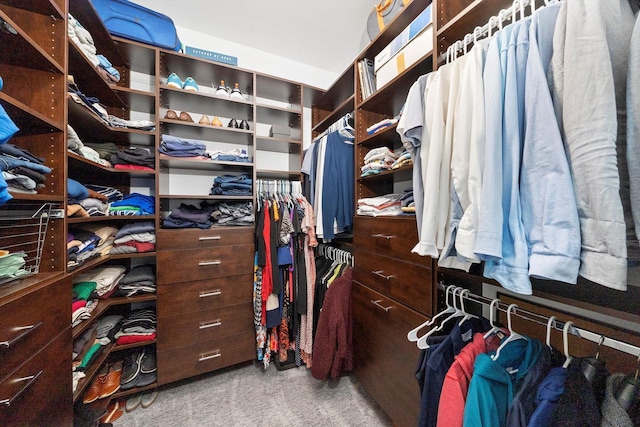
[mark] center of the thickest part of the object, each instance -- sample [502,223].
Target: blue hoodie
[549,391]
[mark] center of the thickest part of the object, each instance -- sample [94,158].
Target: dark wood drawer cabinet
[385,361]
[196,264]
[30,322]
[186,297]
[407,283]
[207,325]
[40,391]
[196,238]
[391,237]
[204,356]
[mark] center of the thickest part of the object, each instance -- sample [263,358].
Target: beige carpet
[250,396]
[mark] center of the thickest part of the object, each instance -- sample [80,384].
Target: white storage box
[412,52]
[413,29]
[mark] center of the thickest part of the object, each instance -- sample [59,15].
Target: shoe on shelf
[235,93]
[244,125]
[148,397]
[185,117]
[144,380]
[133,402]
[190,85]
[222,89]
[204,120]
[114,411]
[233,123]
[93,393]
[171,115]
[131,370]
[216,121]
[148,362]
[112,380]
[174,81]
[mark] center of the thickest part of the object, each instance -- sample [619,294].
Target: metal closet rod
[557,325]
[511,13]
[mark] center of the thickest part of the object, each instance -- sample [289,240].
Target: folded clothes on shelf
[181,147]
[232,185]
[134,156]
[133,204]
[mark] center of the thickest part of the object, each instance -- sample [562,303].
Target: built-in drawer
[208,263]
[407,283]
[392,236]
[205,356]
[207,325]
[188,297]
[194,238]
[39,391]
[384,359]
[29,323]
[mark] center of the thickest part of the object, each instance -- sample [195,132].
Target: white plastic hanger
[412,335]
[422,342]
[492,318]
[512,334]
[565,342]
[467,316]
[550,322]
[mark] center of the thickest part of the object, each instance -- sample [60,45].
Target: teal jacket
[494,383]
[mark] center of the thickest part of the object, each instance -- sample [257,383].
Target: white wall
[259,61]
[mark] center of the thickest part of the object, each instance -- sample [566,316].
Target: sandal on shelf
[185,117]
[204,120]
[171,115]
[216,121]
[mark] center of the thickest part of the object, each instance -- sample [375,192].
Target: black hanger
[591,365]
[628,393]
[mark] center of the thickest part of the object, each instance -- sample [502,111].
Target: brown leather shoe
[112,381]
[171,115]
[114,411]
[93,393]
[185,117]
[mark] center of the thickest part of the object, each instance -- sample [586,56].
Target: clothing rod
[330,128]
[557,325]
[518,6]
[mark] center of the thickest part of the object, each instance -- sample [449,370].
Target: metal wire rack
[23,229]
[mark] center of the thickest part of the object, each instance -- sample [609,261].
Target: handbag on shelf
[382,14]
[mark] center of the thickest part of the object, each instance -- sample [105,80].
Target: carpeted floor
[250,396]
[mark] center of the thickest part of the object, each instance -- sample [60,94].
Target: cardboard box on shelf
[412,52]
[413,29]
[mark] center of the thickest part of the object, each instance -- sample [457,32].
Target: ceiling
[327,34]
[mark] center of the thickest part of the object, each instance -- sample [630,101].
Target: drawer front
[384,360]
[189,297]
[206,356]
[41,388]
[185,329]
[194,238]
[197,264]
[28,323]
[408,283]
[393,237]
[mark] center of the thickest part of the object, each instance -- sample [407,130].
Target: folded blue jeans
[8,163]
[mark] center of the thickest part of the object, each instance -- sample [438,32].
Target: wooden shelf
[46,7]
[208,127]
[133,255]
[279,90]
[78,158]
[279,145]
[381,138]
[276,174]
[345,107]
[91,372]
[30,121]
[25,51]
[89,126]
[38,197]
[202,164]
[205,94]
[205,197]
[110,218]
[134,345]
[385,174]
[122,393]
[281,109]
[88,265]
[338,93]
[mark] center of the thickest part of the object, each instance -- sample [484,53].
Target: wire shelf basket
[23,229]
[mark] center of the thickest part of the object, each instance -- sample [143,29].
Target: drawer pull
[382,236]
[380,273]
[213,355]
[30,380]
[26,330]
[377,304]
[215,323]
[204,263]
[202,239]
[206,294]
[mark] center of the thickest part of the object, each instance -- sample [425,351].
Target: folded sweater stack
[378,160]
[135,237]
